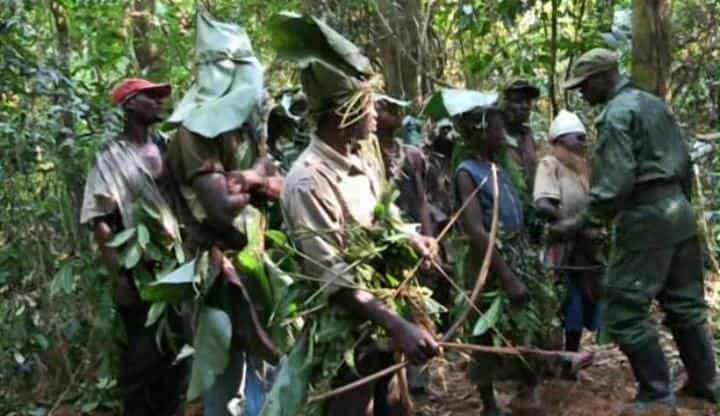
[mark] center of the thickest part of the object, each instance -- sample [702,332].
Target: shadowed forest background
[60,58]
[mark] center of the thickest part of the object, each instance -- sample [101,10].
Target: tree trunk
[553,58]
[63,56]
[146,52]
[398,45]
[651,48]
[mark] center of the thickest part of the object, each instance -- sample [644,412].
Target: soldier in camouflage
[641,175]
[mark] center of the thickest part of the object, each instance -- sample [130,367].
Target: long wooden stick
[510,350]
[485,269]
[440,236]
[448,345]
[358,383]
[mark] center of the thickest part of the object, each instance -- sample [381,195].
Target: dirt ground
[600,390]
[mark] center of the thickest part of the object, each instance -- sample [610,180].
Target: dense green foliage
[60,58]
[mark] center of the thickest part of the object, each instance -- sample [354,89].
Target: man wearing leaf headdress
[215,155]
[335,184]
[129,175]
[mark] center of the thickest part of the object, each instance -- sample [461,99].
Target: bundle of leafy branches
[380,259]
[147,252]
[192,291]
[503,324]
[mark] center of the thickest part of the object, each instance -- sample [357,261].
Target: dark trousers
[149,383]
[386,397]
[672,275]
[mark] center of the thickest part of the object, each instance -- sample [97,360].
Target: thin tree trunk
[651,51]
[63,56]
[146,53]
[553,57]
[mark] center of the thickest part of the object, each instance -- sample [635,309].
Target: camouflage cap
[523,85]
[592,62]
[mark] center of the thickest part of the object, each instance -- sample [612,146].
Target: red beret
[131,86]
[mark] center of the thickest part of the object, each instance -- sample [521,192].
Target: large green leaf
[143,236]
[132,256]
[450,102]
[212,349]
[172,288]
[287,395]
[155,313]
[489,318]
[63,281]
[304,39]
[252,266]
[121,238]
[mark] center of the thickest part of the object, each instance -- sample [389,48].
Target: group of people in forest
[323,156]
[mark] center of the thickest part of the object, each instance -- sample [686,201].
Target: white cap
[565,122]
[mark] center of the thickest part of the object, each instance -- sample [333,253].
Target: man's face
[367,126]
[148,108]
[487,130]
[388,117]
[518,106]
[495,131]
[574,142]
[595,89]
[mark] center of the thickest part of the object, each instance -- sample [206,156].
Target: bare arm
[424,209]
[220,205]
[413,340]
[103,235]
[480,239]
[547,208]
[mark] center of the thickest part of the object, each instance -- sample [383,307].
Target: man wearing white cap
[561,189]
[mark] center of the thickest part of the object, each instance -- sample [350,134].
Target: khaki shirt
[324,193]
[556,181]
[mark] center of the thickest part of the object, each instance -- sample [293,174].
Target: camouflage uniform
[641,174]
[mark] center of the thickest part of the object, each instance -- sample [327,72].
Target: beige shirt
[324,193]
[556,181]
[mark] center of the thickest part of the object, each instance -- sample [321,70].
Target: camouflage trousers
[673,276]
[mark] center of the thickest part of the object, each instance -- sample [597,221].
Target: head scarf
[566,122]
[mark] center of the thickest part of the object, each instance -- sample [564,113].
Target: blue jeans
[580,311]
[228,383]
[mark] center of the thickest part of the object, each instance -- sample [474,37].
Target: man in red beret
[128,171]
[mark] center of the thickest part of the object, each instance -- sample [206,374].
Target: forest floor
[600,390]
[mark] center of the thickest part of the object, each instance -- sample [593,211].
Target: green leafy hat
[334,73]
[229,80]
[592,62]
[452,102]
